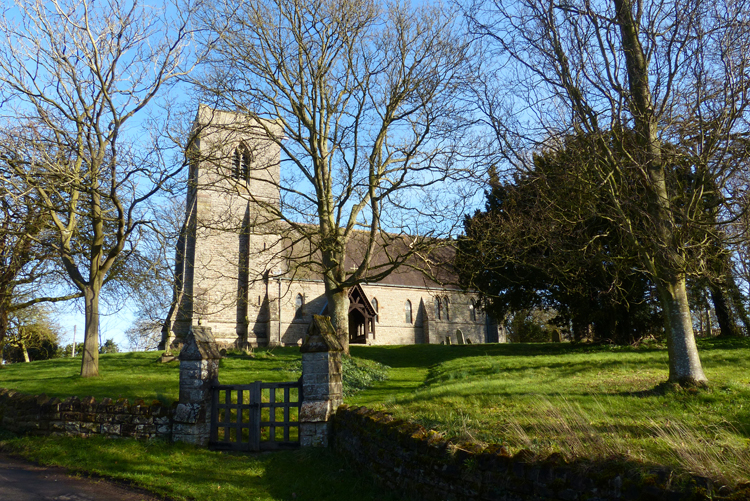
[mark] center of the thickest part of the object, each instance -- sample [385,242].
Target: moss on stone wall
[406,456]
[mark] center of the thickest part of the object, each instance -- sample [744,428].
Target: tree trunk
[338,308]
[737,301]
[25,352]
[724,315]
[90,362]
[684,364]
[3,323]
[624,328]
[580,330]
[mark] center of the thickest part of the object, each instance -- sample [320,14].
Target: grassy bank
[176,470]
[591,401]
[577,400]
[141,375]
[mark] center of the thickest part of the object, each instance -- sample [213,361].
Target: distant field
[590,401]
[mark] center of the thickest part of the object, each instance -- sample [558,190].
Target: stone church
[235,271]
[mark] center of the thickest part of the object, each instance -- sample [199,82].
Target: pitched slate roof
[412,263]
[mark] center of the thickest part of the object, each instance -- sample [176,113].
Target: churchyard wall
[406,457]
[41,415]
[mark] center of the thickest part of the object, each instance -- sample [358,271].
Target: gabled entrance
[361,316]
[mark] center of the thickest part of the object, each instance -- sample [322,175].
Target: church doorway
[361,317]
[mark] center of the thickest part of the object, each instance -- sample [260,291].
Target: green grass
[184,472]
[140,375]
[177,470]
[593,401]
[579,400]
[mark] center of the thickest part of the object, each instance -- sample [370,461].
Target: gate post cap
[321,336]
[200,344]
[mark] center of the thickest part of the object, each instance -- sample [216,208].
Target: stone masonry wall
[405,456]
[391,327]
[221,286]
[41,415]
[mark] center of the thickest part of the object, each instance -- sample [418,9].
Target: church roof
[397,260]
[432,268]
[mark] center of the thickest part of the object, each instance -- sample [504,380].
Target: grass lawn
[184,472]
[592,401]
[140,375]
[579,400]
[177,470]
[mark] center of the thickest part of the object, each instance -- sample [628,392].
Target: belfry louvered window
[241,163]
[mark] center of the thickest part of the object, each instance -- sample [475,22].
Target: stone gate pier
[199,371]
[322,391]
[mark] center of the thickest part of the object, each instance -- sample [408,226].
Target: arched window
[299,303]
[447,307]
[241,165]
[472,311]
[438,308]
[375,307]
[407,311]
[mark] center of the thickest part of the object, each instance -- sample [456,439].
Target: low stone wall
[41,415]
[407,457]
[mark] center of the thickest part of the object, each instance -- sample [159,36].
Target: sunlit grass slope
[578,400]
[140,375]
[177,470]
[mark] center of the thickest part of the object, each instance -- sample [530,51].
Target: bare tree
[671,74]
[154,276]
[28,271]
[361,100]
[81,72]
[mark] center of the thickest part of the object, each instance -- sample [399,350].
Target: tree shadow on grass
[321,474]
[423,356]
[180,470]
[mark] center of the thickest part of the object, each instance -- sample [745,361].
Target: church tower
[227,245]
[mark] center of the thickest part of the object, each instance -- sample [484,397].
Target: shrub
[359,374]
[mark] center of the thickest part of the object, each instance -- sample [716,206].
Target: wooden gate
[254,417]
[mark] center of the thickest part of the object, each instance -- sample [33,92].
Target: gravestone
[199,370]
[459,337]
[322,392]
